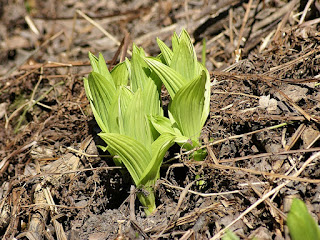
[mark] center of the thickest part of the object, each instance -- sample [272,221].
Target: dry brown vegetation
[262,135]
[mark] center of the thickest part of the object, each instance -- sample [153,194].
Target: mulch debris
[262,135]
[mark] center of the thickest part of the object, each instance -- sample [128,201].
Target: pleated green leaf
[124,98]
[117,109]
[170,78]
[87,88]
[187,106]
[183,63]
[103,126]
[135,121]
[157,81]
[207,94]
[175,41]
[133,154]
[185,37]
[103,69]
[101,123]
[94,62]
[162,124]
[139,70]
[300,222]
[101,91]
[159,148]
[166,51]
[151,99]
[120,75]
[152,105]
[102,95]
[131,117]
[184,59]
[99,66]
[143,167]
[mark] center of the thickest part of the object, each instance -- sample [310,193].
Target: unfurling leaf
[300,222]
[170,78]
[166,51]
[143,164]
[120,75]
[101,94]
[187,106]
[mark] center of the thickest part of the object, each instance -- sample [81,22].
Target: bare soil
[262,135]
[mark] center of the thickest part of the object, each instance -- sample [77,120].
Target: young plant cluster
[127,106]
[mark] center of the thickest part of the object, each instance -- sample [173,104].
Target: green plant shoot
[300,222]
[188,83]
[126,105]
[122,102]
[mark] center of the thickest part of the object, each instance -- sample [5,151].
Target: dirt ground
[262,135]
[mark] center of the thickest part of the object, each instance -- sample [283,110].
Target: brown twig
[132,200]
[288,8]
[255,172]
[295,137]
[5,161]
[198,193]
[180,201]
[261,155]
[50,64]
[244,22]
[226,139]
[304,13]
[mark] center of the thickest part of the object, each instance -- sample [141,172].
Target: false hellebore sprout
[126,105]
[122,112]
[188,83]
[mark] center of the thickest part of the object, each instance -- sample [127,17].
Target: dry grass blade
[255,172]
[189,218]
[5,161]
[97,25]
[290,6]
[122,50]
[199,193]
[298,108]
[273,17]
[188,235]
[157,33]
[269,203]
[269,81]
[139,229]
[295,137]
[285,65]
[13,225]
[132,200]
[181,198]
[211,153]
[245,19]
[306,9]
[51,64]
[316,149]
